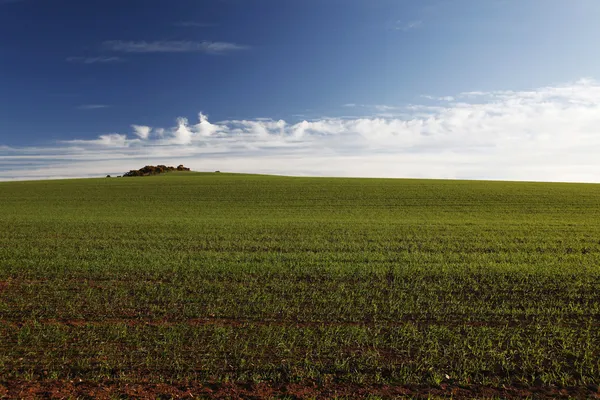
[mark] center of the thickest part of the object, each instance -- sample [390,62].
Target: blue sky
[342,87]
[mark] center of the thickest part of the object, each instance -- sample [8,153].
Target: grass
[247,278]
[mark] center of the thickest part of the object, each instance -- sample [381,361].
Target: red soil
[145,390]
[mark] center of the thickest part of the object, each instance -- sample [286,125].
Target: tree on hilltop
[154,170]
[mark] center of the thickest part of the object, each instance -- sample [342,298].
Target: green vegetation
[245,278]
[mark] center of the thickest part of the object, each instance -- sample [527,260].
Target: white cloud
[472,94]
[94,60]
[376,107]
[92,106]
[438,98]
[408,26]
[171,46]
[106,140]
[385,107]
[193,24]
[550,133]
[143,132]
[113,139]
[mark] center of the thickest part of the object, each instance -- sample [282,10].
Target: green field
[216,282]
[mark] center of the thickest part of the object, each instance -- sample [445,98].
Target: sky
[452,89]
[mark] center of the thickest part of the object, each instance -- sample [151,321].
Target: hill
[299,286]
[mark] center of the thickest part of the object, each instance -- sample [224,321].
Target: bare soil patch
[146,390]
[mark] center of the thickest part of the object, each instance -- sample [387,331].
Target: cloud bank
[547,134]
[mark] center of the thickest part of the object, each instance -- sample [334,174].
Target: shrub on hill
[154,170]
